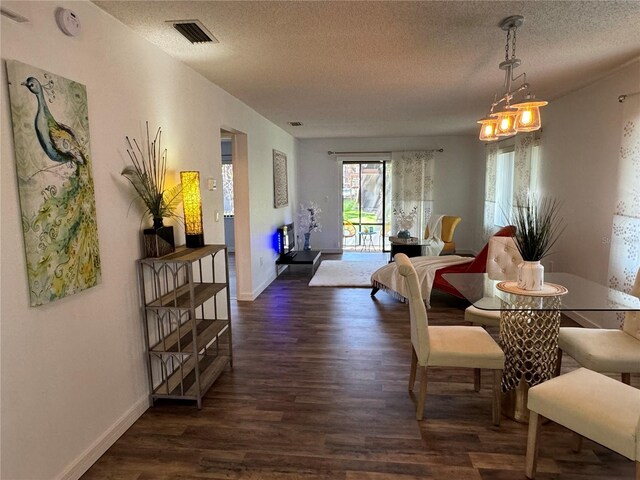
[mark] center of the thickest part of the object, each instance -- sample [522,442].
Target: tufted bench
[592,405]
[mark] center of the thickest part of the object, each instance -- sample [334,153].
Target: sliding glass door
[363,205]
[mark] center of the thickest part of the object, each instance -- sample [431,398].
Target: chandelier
[505,119]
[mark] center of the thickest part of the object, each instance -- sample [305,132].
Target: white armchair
[446,346]
[605,350]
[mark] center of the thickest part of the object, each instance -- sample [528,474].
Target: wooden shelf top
[186,255]
[181,297]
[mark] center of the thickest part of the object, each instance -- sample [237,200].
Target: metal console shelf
[187,330]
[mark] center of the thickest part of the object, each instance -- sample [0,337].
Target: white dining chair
[446,346]
[502,264]
[605,350]
[503,259]
[593,406]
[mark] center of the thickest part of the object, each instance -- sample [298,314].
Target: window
[227,188]
[504,187]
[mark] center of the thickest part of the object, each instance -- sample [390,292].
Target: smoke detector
[193,30]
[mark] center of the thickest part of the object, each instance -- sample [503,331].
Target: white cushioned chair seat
[593,405]
[592,347]
[462,346]
[484,317]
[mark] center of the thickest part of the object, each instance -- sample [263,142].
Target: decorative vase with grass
[147,174]
[538,229]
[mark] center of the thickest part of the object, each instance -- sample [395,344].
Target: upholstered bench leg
[412,373]
[626,378]
[374,290]
[497,394]
[531,461]
[476,379]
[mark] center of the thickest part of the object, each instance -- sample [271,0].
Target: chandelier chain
[513,44]
[506,47]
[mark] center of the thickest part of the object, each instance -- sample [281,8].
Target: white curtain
[624,258]
[522,187]
[490,189]
[412,186]
[523,176]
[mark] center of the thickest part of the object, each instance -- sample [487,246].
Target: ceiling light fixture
[506,119]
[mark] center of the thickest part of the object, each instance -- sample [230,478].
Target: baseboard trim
[86,459]
[250,297]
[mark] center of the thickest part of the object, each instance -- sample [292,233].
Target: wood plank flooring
[319,391]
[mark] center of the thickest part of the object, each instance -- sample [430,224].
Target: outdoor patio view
[366,221]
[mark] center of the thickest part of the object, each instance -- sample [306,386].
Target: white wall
[73,371]
[459,182]
[580,156]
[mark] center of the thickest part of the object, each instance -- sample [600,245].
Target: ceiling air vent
[193,30]
[295,124]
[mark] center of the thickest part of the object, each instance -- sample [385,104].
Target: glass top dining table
[581,295]
[530,324]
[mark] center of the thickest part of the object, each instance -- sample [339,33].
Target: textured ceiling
[360,69]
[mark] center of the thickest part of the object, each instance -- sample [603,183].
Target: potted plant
[538,229]
[147,174]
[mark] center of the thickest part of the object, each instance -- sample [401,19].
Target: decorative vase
[158,240]
[531,276]
[307,240]
[404,234]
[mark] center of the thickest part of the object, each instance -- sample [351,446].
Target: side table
[301,257]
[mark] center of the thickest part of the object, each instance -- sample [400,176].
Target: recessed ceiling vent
[295,124]
[194,31]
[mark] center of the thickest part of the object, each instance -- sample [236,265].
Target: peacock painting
[51,137]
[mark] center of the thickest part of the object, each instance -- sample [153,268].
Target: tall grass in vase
[539,226]
[147,174]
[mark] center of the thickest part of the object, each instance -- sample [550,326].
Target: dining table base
[529,339]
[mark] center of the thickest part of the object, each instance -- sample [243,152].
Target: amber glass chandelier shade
[528,118]
[505,126]
[488,129]
[192,203]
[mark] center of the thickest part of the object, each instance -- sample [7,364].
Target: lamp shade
[505,126]
[528,117]
[488,129]
[192,203]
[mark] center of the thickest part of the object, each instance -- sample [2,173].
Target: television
[286,240]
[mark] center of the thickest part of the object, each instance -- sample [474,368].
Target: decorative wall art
[280,182]
[53,163]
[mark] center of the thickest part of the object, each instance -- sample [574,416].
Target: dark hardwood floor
[319,391]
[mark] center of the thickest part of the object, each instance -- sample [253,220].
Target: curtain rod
[623,97]
[354,153]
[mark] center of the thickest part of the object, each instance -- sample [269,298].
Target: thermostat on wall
[68,22]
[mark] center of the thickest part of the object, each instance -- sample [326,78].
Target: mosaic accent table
[530,323]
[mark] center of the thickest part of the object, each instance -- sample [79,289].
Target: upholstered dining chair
[593,406]
[446,346]
[605,350]
[449,224]
[502,264]
[503,259]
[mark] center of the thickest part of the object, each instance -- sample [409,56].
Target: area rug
[342,273]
